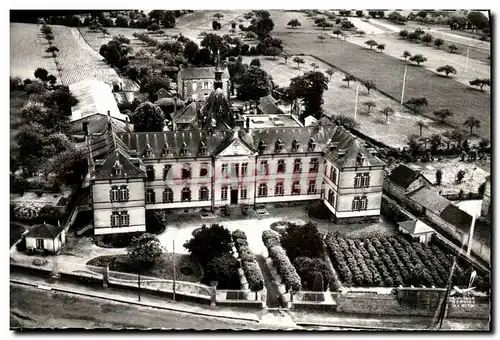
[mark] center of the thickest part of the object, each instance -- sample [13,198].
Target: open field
[387,72]
[340,99]
[27,51]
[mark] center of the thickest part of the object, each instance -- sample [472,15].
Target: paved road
[32,307]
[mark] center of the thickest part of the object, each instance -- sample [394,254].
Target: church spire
[218,73]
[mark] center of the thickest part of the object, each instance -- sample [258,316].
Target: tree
[216,25]
[294,23]
[369,84]
[436,141]
[421,125]
[452,48]
[169,105]
[387,111]
[337,32]
[413,36]
[330,72]
[442,114]
[49,38]
[274,51]
[314,66]
[52,79]
[360,33]
[41,74]
[285,56]
[254,83]
[369,105]
[153,82]
[310,88]
[144,250]
[346,25]
[52,49]
[371,43]
[403,34]
[70,166]
[36,87]
[168,19]
[418,58]
[416,103]
[460,176]
[478,20]
[439,176]
[262,26]
[34,112]
[472,123]
[406,54]
[209,243]
[321,37]
[121,21]
[61,99]
[214,42]
[190,49]
[345,121]
[298,61]
[438,42]
[148,117]
[427,38]
[45,29]
[218,16]
[104,32]
[301,241]
[447,69]
[223,269]
[255,62]
[381,47]
[116,51]
[348,78]
[480,82]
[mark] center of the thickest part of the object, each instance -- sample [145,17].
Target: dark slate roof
[462,220]
[429,199]
[174,139]
[269,108]
[117,158]
[44,231]
[403,176]
[200,73]
[96,124]
[347,148]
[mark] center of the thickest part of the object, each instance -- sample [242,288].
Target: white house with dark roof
[196,83]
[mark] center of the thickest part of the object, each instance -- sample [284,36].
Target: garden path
[273,295]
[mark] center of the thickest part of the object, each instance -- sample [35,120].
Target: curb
[137,303]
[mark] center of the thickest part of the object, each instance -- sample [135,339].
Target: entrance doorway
[234,196]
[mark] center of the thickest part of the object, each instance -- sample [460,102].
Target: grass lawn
[17,101]
[387,72]
[340,99]
[163,267]
[15,232]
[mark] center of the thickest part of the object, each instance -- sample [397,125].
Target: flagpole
[404,83]
[173,250]
[356,104]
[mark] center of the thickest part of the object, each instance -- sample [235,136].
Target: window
[168,195]
[150,173]
[124,219]
[296,188]
[279,146]
[295,145]
[263,190]
[244,169]
[235,167]
[279,190]
[365,179]
[124,194]
[224,171]
[360,159]
[297,166]
[203,194]
[115,219]
[331,197]
[243,193]
[357,181]
[184,149]
[117,168]
[359,203]
[264,167]
[186,195]
[203,148]
[313,165]
[150,196]
[186,173]
[205,85]
[166,150]
[39,243]
[311,189]
[262,146]
[166,169]
[333,175]
[113,194]
[312,144]
[281,166]
[223,193]
[204,170]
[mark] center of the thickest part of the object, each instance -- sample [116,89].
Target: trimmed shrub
[238,234]
[224,270]
[253,275]
[307,267]
[271,238]
[240,242]
[285,268]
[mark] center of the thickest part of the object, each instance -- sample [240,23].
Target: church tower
[218,73]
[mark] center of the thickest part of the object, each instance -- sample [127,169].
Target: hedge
[271,238]
[238,234]
[249,264]
[285,267]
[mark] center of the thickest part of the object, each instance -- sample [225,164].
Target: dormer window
[312,144]
[295,145]
[166,150]
[279,145]
[203,148]
[184,149]
[117,168]
[262,146]
[360,159]
[148,151]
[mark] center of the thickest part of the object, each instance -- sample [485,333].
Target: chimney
[86,128]
[247,127]
[109,113]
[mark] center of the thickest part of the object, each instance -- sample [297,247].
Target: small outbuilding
[417,229]
[47,237]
